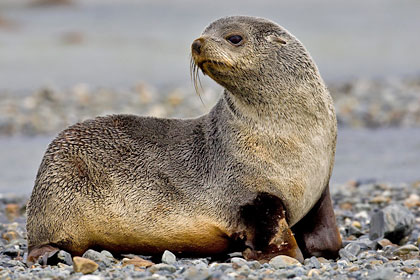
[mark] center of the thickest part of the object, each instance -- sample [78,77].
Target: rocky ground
[359,103]
[379,223]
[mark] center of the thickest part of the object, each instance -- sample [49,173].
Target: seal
[250,175]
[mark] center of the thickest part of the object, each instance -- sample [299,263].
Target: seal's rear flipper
[41,254]
[317,233]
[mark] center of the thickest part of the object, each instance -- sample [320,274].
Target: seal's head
[242,53]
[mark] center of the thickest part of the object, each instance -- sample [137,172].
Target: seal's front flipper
[317,233]
[42,254]
[267,232]
[282,243]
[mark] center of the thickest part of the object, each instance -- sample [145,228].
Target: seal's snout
[196,46]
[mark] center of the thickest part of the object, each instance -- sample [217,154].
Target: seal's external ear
[275,39]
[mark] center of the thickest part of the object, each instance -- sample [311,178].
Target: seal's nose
[196,46]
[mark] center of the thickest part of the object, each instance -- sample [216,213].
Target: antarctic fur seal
[246,175]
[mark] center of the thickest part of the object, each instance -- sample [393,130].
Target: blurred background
[62,61]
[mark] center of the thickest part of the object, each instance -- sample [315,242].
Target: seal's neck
[301,105]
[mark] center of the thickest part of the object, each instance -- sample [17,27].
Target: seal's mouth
[210,61]
[204,65]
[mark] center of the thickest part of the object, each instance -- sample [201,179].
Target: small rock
[137,262]
[193,273]
[346,206]
[91,277]
[384,242]
[409,270]
[345,254]
[356,224]
[168,257]
[283,261]
[342,264]
[313,272]
[393,222]
[10,235]
[412,201]
[380,199]
[322,260]
[382,274]
[64,257]
[353,268]
[84,265]
[313,262]
[376,262]
[238,262]
[353,248]
[99,258]
[235,254]
[220,266]
[162,267]
[12,211]
[408,250]
[107,254]
[254,264]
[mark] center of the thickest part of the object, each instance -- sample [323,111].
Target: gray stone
[408,249]
[342,264]
[220,266]
[283,261]
[162,267]
[382,274]
[353,248]
[299,271]
[235,254]
[394,222]
[239,261]
[64,257]
[193,273]
[107,254]
[97,257]
[168,257]
[345,254]
[312,262]
[91,277]
[254,264]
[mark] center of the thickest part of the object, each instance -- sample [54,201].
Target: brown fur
[142,185]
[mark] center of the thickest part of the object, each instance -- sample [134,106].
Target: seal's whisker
[194,73]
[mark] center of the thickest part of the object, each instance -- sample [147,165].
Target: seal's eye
[235,39]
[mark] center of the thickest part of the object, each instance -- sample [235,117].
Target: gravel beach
[379,224]
[392,102]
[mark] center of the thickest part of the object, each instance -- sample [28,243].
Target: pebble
[393,222]
[238,262]
[137,262]
[412,201]
[102,259]
[193,273]
[407,250]
[12,211]
[312,262]
[283,261]
[162,267]
[91,277]
[64,257]
[382,274]
[84,265]
[168,257]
